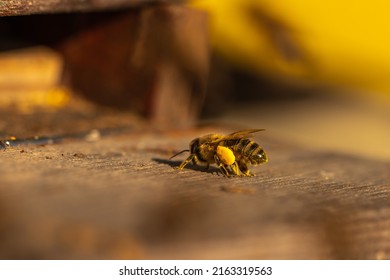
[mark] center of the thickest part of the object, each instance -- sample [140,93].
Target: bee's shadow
[176,163]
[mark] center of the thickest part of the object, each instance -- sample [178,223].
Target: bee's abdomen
[253,149]
[243,147]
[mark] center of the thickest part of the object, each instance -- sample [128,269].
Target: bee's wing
[245,133]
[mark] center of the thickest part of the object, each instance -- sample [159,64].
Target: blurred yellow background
[338,42]
[342,47]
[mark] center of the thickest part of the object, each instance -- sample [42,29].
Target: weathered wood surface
[22,7]
[120,197]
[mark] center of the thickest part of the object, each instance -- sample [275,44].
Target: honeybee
[232,152]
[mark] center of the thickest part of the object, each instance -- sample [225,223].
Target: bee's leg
[248,173]
[234,167]
[207,167]
[188,160]
[244,169]
[225,172]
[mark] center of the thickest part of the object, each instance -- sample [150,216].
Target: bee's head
[258,158]
[194,145]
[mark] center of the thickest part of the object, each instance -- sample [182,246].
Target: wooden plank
[17,8]
[30,67]
[30,78]
[120,197]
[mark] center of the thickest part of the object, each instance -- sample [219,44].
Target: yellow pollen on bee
[225,155]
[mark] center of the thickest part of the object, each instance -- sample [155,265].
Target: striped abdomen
[246,150]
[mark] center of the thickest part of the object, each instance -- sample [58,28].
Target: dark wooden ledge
[24,7]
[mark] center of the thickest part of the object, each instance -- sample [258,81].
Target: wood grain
[120,197]
[20,7]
